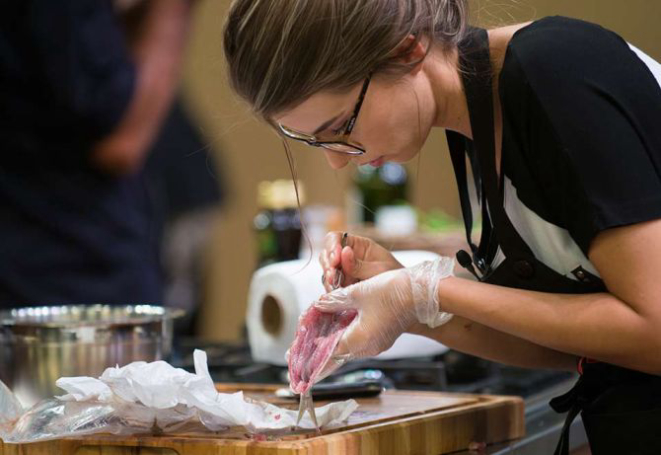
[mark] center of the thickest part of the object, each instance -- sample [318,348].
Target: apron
[620,408]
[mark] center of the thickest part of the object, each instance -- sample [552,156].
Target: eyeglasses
[342,145]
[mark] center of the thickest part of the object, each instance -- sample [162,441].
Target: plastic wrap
[155,398]
[10,410]
[425,278]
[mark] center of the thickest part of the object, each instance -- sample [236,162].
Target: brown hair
[280,52]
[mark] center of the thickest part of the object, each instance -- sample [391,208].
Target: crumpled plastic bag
[10,410]
[10,407]
[157,398]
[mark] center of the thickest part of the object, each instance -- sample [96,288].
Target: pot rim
[54,316]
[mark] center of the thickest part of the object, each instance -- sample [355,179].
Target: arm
[395,302]
[157,54]
[482,341]
[621,327]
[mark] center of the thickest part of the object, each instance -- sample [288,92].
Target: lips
[377,162]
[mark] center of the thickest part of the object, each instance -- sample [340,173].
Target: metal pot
[38,345]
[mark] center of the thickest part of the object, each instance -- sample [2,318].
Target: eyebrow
[326,124]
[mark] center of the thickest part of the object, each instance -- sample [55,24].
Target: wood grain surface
[395,423]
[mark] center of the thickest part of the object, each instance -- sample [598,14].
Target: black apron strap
[632,410]
[572,403]
[460,148]
[476,73]
[562,448]
[456,143]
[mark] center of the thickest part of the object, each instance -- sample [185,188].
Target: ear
[411,51]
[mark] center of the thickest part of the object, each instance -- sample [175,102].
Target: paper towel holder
[272,315]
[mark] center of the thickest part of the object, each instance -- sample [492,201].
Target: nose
[336,160]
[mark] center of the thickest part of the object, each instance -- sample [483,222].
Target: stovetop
[451,371]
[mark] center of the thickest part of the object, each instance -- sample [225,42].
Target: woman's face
[392,125]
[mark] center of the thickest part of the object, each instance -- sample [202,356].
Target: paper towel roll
[280,292]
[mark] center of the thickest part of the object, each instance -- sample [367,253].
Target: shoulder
[560,43]
[560,54]
[572,65]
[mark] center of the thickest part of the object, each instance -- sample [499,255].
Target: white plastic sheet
[156,397]
[10,410]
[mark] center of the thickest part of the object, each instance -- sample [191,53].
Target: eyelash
[337,131]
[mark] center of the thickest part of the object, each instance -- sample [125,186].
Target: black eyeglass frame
[354,149]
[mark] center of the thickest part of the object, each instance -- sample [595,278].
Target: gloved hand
[360,259]
[388,305]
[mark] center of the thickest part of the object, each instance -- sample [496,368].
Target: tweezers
[307,404]
[339,276]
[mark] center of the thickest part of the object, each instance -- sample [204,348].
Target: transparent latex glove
[388,305]
[360,259]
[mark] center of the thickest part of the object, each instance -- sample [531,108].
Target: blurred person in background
[186,189]
[79,108]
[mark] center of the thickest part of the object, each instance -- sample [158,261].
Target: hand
[360,259]
[388,305]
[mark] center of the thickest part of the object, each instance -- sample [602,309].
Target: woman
[559,118]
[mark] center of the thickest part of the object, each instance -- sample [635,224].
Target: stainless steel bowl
[38,345]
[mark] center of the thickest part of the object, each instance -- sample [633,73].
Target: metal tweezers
[306,403]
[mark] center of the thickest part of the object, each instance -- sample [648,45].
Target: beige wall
[249,153]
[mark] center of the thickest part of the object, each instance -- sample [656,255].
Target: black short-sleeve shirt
[68,232]
[581,136]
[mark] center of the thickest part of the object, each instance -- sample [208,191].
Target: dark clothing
[69,233]
[184,184]
[621,408]
[581,136]
[181,172]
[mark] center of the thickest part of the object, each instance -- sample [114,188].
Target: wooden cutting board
[395,423]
